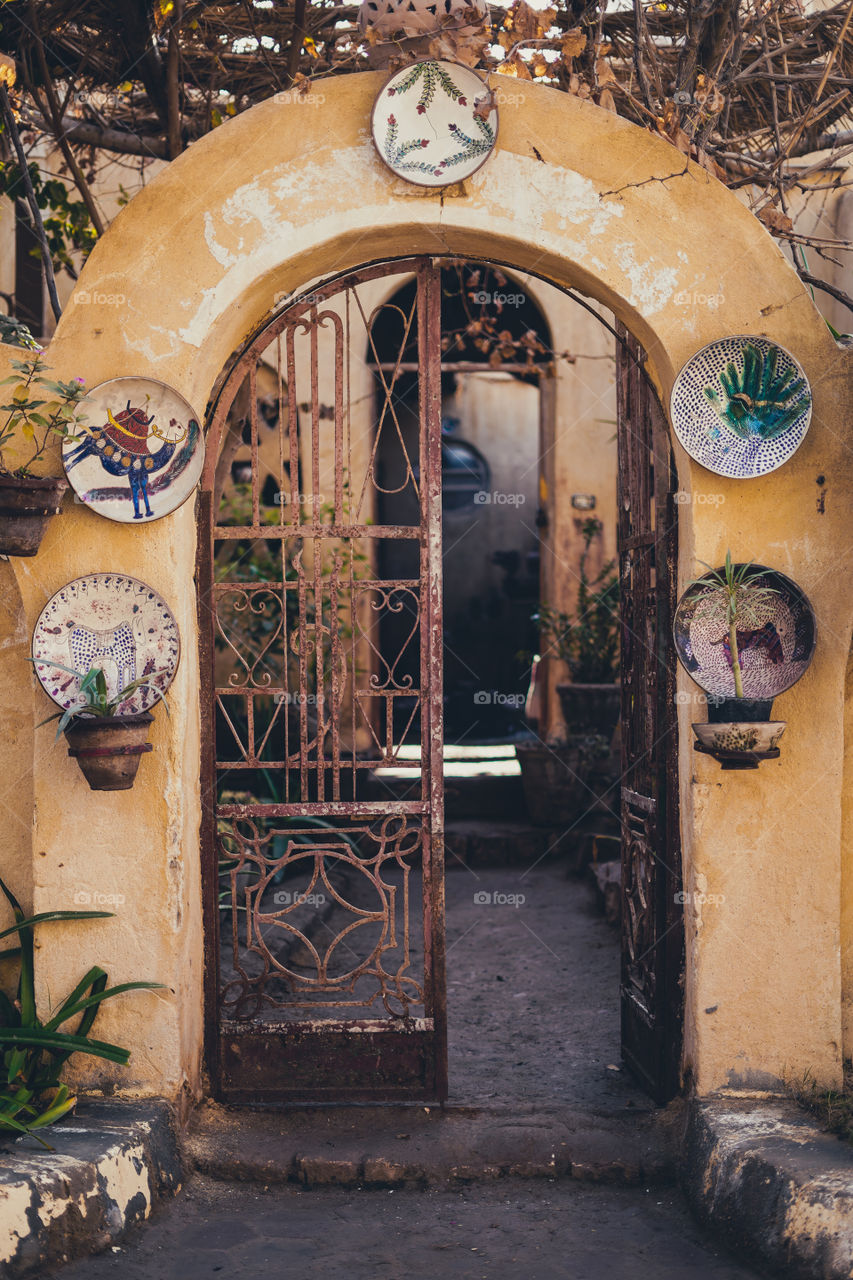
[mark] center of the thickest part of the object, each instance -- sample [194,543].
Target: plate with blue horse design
[775,634]
[140,452]
[741,406]
[435,123]
[110,621]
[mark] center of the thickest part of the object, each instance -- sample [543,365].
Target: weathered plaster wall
[290,192]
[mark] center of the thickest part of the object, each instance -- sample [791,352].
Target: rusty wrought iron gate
[652,912]
[324,895]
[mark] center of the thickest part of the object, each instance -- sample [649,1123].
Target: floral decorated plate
[111,621]
[741,406]
[140,453]
[435,123]
[775,641]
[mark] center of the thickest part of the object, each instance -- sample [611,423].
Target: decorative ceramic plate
[775,645]
[434,123]
[111,621]
[741,406]
[140,452]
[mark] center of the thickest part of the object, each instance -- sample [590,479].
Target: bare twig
[35,212]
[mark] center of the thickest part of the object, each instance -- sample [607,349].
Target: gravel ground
[539,1231]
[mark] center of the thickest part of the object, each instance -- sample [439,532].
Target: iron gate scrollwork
[652,912]
[324,899]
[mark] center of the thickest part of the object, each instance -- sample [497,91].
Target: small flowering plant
[39,411]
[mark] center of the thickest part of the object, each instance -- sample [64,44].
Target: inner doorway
[324,906]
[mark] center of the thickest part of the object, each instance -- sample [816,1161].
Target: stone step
[424,1146]
[476,796]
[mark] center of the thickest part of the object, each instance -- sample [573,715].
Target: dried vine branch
[745,87]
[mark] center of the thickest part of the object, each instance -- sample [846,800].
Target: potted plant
[589,645]
[558,777]
[728,613]
[34,1050]
[105,742]
[39,411]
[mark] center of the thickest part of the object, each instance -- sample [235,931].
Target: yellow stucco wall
[290,192]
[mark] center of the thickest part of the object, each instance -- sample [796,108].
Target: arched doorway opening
[326,928]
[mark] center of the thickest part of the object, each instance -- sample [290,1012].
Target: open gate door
[324,894]
[652,912]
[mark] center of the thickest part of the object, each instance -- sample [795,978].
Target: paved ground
[536,1231]
[532,991]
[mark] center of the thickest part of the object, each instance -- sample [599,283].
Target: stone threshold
[430,1146]
[772,1184]
[110,1165]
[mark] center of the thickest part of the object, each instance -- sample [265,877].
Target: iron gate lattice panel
[324,904]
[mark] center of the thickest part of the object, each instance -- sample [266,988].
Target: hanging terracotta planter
[27,504]
[108,748]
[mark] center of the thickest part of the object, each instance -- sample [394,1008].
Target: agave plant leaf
[44,916]
[39,1038]
[92,1001]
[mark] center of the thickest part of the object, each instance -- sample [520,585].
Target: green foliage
[67,224]
[832,1107]
[736,599]
[34,1051]
[16,334]
[93,696]
[40,410]
[590,642]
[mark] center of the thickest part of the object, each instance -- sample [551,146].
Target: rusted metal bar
[277,613]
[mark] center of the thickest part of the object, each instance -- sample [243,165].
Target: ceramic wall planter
[775,637]
[740,744]
[591,708]
[108,748]
[26,507]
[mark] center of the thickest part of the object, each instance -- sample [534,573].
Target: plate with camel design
[435,123]
[139,454]
[775,637]
[741,406]
[111,621]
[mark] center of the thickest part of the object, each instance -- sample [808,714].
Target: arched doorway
[325,915]
[266,205]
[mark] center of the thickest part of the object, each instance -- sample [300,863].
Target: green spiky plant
[734,598]
[33,1052]
[93,695]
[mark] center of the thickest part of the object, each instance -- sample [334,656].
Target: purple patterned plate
[775,646]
